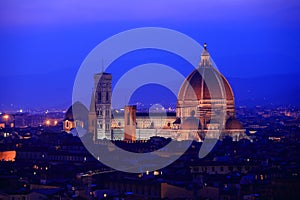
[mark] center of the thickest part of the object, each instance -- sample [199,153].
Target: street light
[5,117]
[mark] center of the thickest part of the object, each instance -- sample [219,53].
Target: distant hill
[265,90]
[45,91]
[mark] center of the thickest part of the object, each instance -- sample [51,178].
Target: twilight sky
[43,43]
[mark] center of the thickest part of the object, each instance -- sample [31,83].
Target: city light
[117,109]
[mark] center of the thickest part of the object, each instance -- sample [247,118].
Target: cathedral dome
[205,83]
[233,123]
[81,112]
[69,114]
[205,91]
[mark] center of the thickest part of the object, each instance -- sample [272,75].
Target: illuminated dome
[195,88]
[80,110]
[203,88]
[69,114]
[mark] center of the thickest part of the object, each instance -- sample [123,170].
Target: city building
[100,108]
[205,105]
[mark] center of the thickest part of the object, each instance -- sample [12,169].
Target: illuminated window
[106,127]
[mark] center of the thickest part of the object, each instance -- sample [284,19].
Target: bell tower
[102,100]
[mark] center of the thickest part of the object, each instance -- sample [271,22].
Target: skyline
[149,99]
[42,51]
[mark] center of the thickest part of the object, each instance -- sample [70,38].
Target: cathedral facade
[205,109]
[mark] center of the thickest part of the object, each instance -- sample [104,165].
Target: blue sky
[43,43]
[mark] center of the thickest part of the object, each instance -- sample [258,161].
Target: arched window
[99,96]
